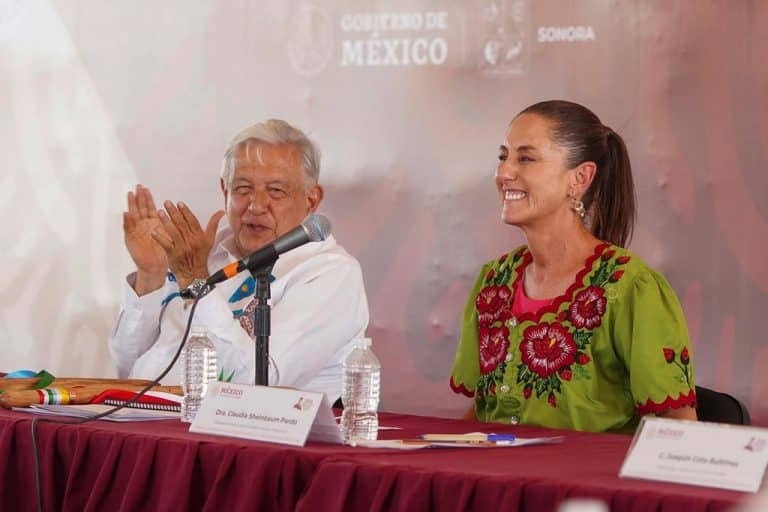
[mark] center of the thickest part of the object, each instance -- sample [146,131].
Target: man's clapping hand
[185,243]
[139,222]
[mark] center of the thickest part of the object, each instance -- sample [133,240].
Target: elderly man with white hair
[269,180]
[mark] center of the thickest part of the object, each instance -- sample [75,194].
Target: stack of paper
[90,410]
[471,440]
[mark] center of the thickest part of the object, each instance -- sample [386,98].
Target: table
[161,466]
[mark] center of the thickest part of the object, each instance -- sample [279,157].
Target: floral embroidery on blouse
[683,399]
[494,308]
[494,344]
[685,359]
[493,304]
[551,353]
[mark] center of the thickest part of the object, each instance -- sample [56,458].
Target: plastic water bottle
[198,368]
[360,386]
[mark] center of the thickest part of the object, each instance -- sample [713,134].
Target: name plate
[698,453]
[271,414]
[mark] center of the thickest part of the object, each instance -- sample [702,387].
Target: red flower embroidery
[621,260]
[552,400]
[492,304]
[583,358]
[685,358]
[608,255]
[492,389]
[527,390]
[503,258]
[562,316]
[489,275]
[546,348]
[588,308]
[616,276]
[494,344]
[566,373]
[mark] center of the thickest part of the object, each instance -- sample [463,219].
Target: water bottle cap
[198,330]
[362,343]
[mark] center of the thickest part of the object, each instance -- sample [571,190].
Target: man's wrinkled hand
[139,222]
[184,241]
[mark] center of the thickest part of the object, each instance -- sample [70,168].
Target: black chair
[720,407]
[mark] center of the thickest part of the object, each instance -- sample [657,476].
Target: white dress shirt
[318,307]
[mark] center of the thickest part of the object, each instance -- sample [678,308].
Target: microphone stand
[261,322]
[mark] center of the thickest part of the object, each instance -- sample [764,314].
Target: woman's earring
[578,207]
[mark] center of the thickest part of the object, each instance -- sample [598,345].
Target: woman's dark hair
[610,199]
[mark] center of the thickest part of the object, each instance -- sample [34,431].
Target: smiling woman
[571,330]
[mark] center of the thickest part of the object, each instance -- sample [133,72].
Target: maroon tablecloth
[161,466]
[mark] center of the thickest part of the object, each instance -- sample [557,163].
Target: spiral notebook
[151,400]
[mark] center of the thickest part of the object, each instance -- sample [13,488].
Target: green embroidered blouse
[614,347]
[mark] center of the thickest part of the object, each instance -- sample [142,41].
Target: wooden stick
[63,382]
[78,394]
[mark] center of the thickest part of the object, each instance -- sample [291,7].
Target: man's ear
[223,191]
[582,177]
[315,197]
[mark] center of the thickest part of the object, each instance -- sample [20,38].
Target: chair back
[720,407]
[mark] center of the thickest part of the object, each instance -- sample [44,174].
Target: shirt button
[514,420]
[504,388]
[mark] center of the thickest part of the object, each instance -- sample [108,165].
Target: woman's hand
[683,413]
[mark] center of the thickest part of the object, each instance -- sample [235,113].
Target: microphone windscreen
[317,227]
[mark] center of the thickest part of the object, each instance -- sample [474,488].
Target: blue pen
[474,437]
[500,437]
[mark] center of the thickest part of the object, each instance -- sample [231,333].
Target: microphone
[314,228]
